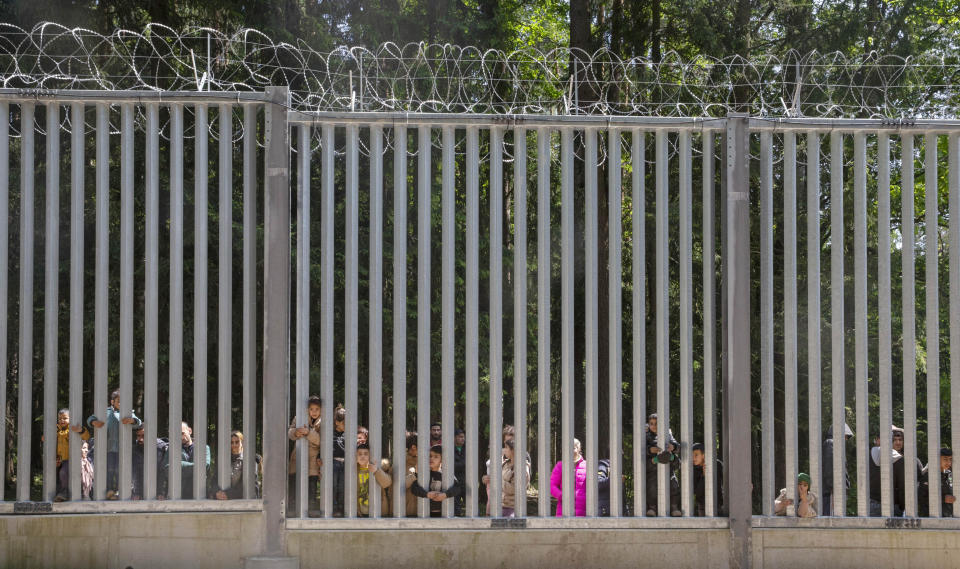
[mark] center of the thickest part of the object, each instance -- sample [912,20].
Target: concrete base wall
[814,548]
[137,541]
[222,540]
[513,549]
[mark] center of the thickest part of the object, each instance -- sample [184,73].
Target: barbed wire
[445,78]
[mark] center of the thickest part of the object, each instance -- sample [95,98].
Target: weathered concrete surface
[216,540]
[814,548]
[511,549]
[141,541]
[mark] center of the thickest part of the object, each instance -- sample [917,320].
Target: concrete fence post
[736,345]
[276,332]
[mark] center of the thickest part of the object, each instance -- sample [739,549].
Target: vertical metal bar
[860,320]
[954,251]
[790,393]
[544,275]
[424,179]
[102,322]
[176,298]
[639,337]
[837,332]
[663,320]
[768,454]
[884,302]
[225,293]
[151,305]
[909,327]
[200,291]
[399,318]
[276,318]
[25,359]
[4,259]
[127,200]
[736,344]
[352,310]
[813,311]
[932,287]
[77,255]
[567,315]
[77,269]
[448,282]
[472,320]
[520,318]
[591,329]
[686,323]
[709,327]
[326,314]
[249,298]
[375,364]
[51,310]
[615,288]
[302,316]
[496,319]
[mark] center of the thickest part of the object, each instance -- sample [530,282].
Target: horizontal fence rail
[467,288]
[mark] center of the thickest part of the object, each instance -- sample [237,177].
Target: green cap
[804,477]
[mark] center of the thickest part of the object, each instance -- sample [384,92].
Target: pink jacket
[580,487]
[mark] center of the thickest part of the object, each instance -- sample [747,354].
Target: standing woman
[580,479]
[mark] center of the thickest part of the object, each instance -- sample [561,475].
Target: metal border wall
[727,214]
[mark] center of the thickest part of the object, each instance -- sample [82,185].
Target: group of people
[436,492]
[187,460]
[654,456]
[942,465]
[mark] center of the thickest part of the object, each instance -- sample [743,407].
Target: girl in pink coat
[580,482]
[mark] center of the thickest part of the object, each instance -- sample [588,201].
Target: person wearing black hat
[946,484]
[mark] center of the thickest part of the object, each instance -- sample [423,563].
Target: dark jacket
[603,486]
[603,490]
[946,489]
[235,491]
[897,481]
[460,462]
[436,485]
[700,489]
[137,478]
[826,462]
[653,459]
[339,444]
[187,463]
